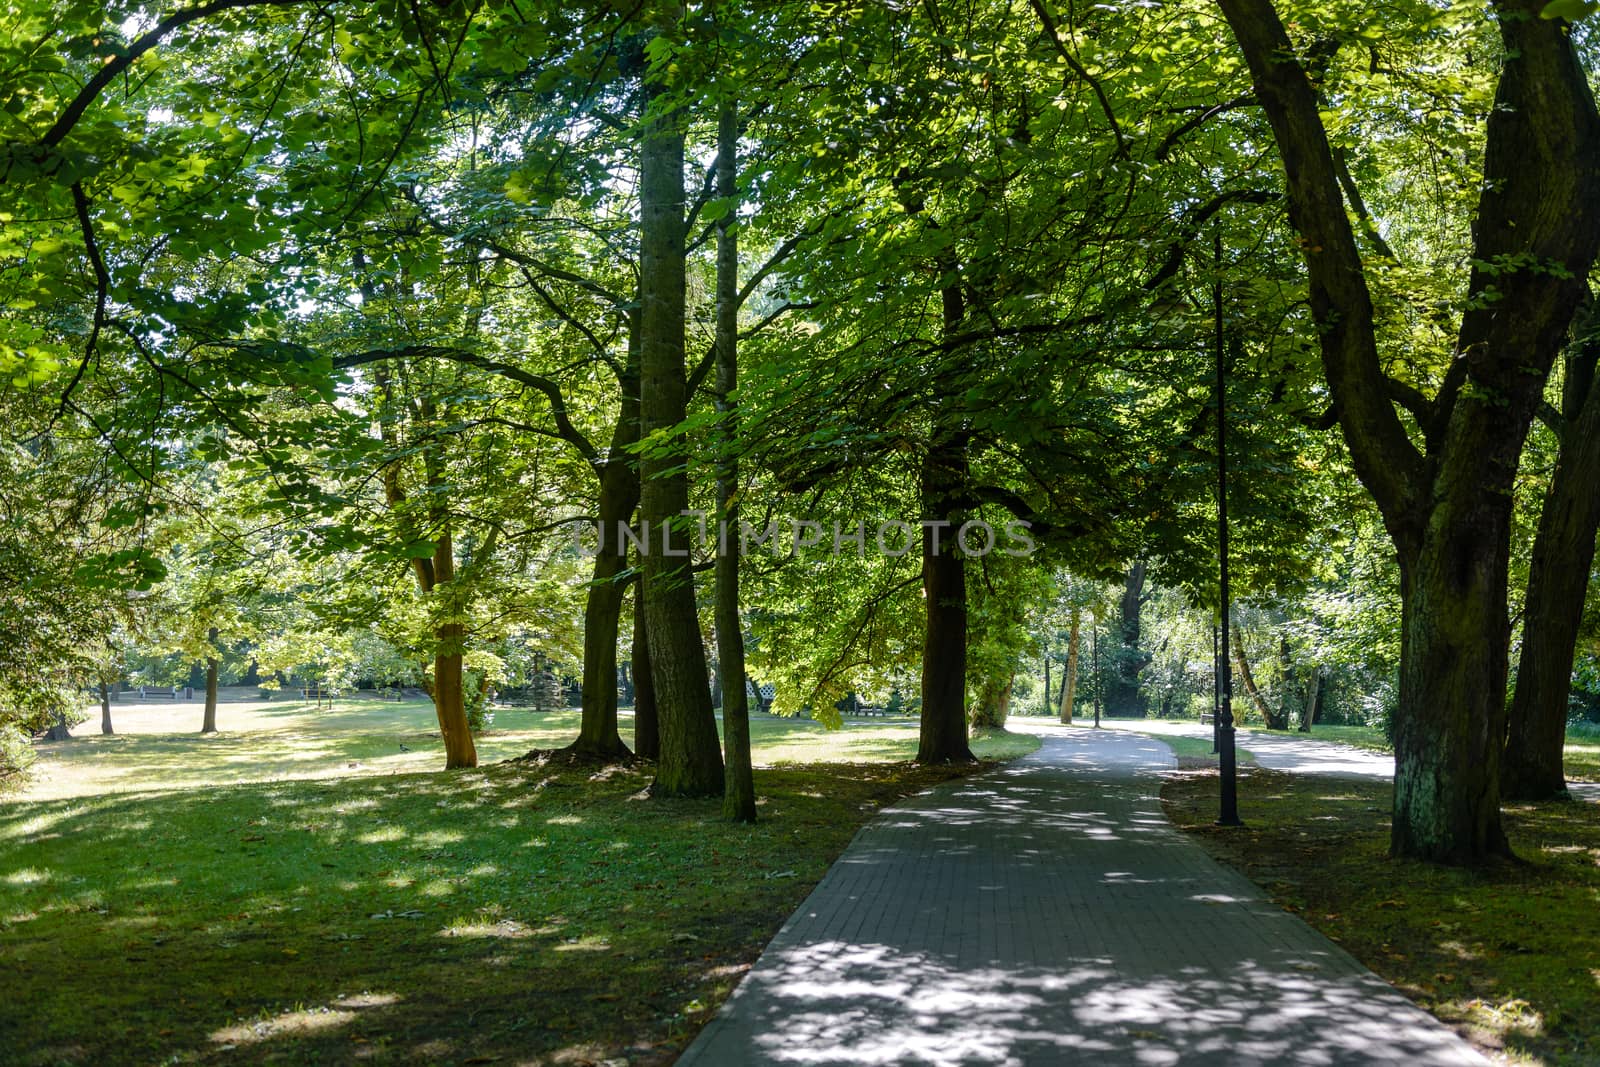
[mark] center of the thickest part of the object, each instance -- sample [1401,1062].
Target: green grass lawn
[1509,955]
[201,912]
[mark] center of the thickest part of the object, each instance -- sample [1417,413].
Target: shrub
[16,756]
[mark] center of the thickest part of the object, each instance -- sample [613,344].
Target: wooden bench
[1207,718]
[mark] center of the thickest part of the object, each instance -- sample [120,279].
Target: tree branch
[115,65]
[552,391]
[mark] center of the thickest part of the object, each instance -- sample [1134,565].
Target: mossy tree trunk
[1563,552]
[1125,695]
[1447,502]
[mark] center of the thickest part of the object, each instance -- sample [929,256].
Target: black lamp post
[1094,645]
[1216,690]
[1229,815]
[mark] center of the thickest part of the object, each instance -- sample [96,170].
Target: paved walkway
[1047,913]
[1309,755]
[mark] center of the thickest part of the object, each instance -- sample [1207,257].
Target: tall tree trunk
[1125,695]
[690,763]
[739,790]
[1047,672]
[449,703]
[1448,506]
[942,736]
[209,725]
[1308,712]
[105,709]
[602,611]
[1069,683]
[1248,681]
[1563,553]
[1288,690]
[449,696]
[646,725]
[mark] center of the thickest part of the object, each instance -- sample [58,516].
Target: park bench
[1207,718]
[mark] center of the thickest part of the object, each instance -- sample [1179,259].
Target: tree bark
[105,710]
[1563,553]
[1125,696]
[59,730]
[1047,689]
[646,725]
[739,790]
[690,763]
[942,736]
[1448,507]
[602,611]
[1248,681]
[1069,683]
[1308,713]
[1287,690]
[449,703]
[449,697]
[994,702]
[209,724]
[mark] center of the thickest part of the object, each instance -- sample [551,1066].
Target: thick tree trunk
[59,730]
[1454,635]
[942,737]
[1125,696]
[449,698]
[646,725]
[209,724]
[602,612]
[739,790]
[1563,553]
[994,702]
[105,710]
[690,763]
[1448,506]
[1242,666]
[1069,683]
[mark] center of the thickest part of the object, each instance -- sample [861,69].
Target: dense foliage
[332,332]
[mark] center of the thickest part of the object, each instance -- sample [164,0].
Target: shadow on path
[1047,913]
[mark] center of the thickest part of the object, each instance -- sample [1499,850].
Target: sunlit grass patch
[517,912]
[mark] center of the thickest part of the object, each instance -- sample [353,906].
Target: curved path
[1047,913]
[1308,755]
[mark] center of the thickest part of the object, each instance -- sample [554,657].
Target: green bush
[16,756]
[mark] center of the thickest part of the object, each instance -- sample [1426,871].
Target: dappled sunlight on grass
[1505,953]
[156,925]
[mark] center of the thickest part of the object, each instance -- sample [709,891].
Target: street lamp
[1094,645]
[1229,815]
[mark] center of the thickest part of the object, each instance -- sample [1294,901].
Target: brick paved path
[1047,913]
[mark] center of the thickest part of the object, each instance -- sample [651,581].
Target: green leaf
[1571,10]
